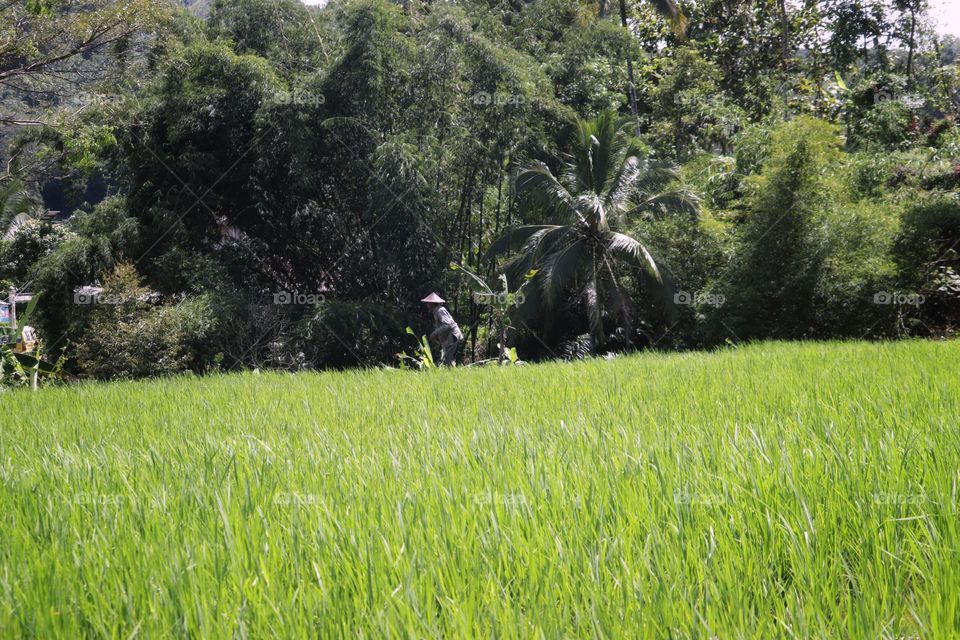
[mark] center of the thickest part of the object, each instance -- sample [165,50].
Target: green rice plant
[772,491]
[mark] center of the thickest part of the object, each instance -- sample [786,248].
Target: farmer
[447,334]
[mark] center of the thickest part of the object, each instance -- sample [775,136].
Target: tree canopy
[646,174]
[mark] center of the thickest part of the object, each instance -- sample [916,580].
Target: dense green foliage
[298,177]
[576,257]
[777,493]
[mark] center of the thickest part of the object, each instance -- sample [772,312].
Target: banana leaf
[30,361]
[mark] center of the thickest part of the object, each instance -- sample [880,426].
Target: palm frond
[537,188]
[535,252]
[591,210]
[531,305]
[655,176]
[544,243]
[16,224]
[15,202]
[599,149]
[626,247]
[623,185]
[514,239]
[578,171]
[680,200]
[607,149]
[562,267]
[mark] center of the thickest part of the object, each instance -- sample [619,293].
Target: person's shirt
[447,333]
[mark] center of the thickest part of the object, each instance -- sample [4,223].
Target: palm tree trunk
[626,310]
[591,298]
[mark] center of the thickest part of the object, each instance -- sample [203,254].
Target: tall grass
[778,490]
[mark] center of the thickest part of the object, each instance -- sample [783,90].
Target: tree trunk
[631,85]
[784,32]
[912,44]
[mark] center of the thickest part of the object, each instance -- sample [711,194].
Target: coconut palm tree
[605,181]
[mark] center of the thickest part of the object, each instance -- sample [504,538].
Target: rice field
[771,491]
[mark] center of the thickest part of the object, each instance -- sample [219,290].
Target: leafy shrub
[770,286]
[31,242]
[114,233]
[888,125]
[753,147]
[949,143]
[929,237]
[13,375]
[57,275]
[342,334]
[691,257]
[857,270]
[255,335]
[718,180]
[948,180]
[18,371]
[927,251]
[941,131]
[130,336]
[871,173]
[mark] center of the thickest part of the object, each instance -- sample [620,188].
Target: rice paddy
[776,490]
